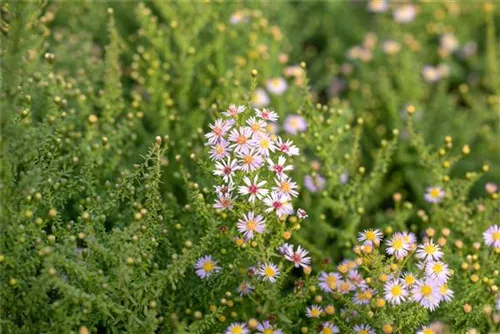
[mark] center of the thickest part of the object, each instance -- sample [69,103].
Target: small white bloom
[205,266]
[251,224]
[279,168]
[226,169]
[395,291]
[233,111]
[299,257]
[254,189]
[277,203]
[268,272]
[276,86]
[266,114]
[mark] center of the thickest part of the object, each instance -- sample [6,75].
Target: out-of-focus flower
[391,47]
[314,183]
[238,17]
[295,124]
[449,42]
[276,86]
[260,98]
[434,195]
[377,6]
[405,13]
[491,187]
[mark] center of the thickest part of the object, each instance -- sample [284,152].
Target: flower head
[298,257]
[226,169]
[395,291]
[328,281]
[279,204]
[233,110]
[268,272]
[260,98]
[434,195]
[267,115]
[295,124]
[405,13]
[429,251]
[370,236]
[253,188]
[314,311]
[251,224]
[266,327]
[426,292]
[315,183]
[329,328]
[237,328]
[244,288]
[363,329]
[205,266]
[492,236]
[276,86]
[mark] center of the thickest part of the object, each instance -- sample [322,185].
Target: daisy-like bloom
[224,202]
[328,281]
[363,297]
[244,288]
[260,98]
[426,292]
[329,328]
[279,168]
[220,150]
[276,86]
[205,266]
[287,147]
[254,189]
[314,311]
[266,115]
[265,327]
[405,13]
[233,110]
[237,328]
[286,188]
[256,125]
[363,329]
[250,161]
[370,237]
[438,270]
[241,139]
[409,238]
[251,224]
[426,330]
[344,287]
[391,47]
[302,214]
[430,74]
[226,169]
[446,292]
[491,187]
[238,17]
[285,249]
[315,184]
[295,124]
[429,251]
[356,279]
[377,6]
[263,144]
[397,246]
[268,272]
[219,129]
[491,236]
[409,279]
[443,70]
[279,204]
[299,257]
[395,291]
[225,189]
[434,195]
[449,42]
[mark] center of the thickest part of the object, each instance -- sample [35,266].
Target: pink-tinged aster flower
[266,327]
[206,266]
[257,126]
[233,111]
[434,195]
[266,114]
[302,214]
[220,150]
[280,167]
[328,281]
[268,272]
[276,86]
[250,161]
[241,139]
[237,328]
[377,6]
[287,147]
[226,169]
[279,204]
[429,251]
[299,257]
[426,292]
[224,202]
[260,98]
[492,236]
[225,189]
[315,183]
[286,188]
[251,224]
[285,249]
[244,288]
[363,329]
[219,129]
[254,189]
[491,187]
[395,291]
[405,13]
[295,124]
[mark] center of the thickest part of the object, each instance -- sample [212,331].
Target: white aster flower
[241,139]
[260,98]
[220,150]
[219,129]
[268,272]
[314,311]
[276,86]
[226,169]
[264,144]
[233,110]
[237,328]
[329,328]
[299,257]
[244,288]
[434,195]
[363,329]
[286,188]
[287,147]
[426,292]
[395,291]
[328,281]
[277,203]
[266,327]
[397,246]
[438,270]
[429,251]
[205,266]
[251,224]
[267,115]
[370,237]
[491,236]
[254,189]
[280,167]
[250,161]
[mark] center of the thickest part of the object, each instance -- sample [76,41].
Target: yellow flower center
[267,331]
[496,236]
[331,281]
[276,82]
[208,266]
[241,139]
[409,279]
[438,268]
[430,249]
[370,235]
[343,268]
[255,127]
[363,331]
[326,330]
[264,143]
[219,149]
[269,272]
[426,290]
[443,289]
[285,187]
[428,331]
[248,159]
[434,192]
[397,244]
[315,313]
[345,286]
[237,330]
[396,290]
[251,225]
